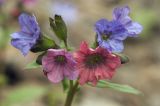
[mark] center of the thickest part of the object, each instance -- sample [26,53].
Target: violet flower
[58,64]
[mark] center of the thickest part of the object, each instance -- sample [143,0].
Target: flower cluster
[86,64]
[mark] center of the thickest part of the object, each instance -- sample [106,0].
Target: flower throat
[60,59]
[93,60]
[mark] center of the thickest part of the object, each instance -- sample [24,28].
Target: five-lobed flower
[95,64]
[59,64]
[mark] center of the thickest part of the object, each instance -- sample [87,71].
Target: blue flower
[25,39]
[110,34]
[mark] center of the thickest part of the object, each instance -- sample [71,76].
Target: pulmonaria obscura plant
[93,66]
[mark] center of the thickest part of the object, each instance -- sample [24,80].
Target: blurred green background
[20,87]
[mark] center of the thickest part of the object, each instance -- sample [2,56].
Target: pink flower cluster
[86,64]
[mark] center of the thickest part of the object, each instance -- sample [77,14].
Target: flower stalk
[71,93]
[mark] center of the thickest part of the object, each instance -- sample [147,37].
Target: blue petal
[23,46]
[101,26]
[22,41]
[20,35]
[112,45]
[28,24]
[121,14]
[134,28]
[116,45]
[29,34]
[104,43]
[119,32]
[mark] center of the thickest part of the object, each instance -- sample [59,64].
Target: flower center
[60,59]
[94,60]
[106,36]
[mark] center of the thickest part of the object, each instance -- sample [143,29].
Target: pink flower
[94,65]
[58,64]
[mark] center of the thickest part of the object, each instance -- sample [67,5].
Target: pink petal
[70,73]
[83,77]
[84,47]
[56,75]
[47,64]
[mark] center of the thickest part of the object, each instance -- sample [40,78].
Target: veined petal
[121,13]
[24,47]
[116,45]
[25,39]
[118,31]
[28,23]
[59,64]
[56,75]
[84,47]
[101,25]
[20,35]
[134,28]
[94,66]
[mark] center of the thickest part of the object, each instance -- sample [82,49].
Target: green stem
[66,45]
[71,93]
[71,83]
[95,44]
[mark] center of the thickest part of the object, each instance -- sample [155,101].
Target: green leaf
[59,27]
[32,65]
[118,87]
[124,58]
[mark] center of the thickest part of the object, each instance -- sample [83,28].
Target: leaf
[23,94]
[59,27]
[32,65]
[118,87]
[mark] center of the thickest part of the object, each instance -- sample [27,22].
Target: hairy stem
[71,93]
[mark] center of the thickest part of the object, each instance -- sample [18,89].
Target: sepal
[124,59]
[43,44]
[59,27]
